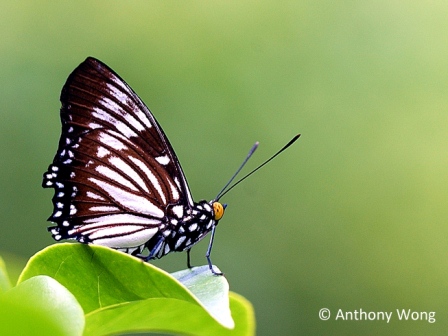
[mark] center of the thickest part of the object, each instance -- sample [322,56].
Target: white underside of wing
[125,219]
[118,230]
[112,141]
[131,201]
[123,236]
[154,180]
[129,172]
[110,174]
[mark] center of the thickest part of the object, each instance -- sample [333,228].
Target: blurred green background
[354,216]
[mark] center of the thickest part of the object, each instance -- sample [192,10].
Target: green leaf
[243,315]
[40,306]
[4,279]
[120,293]
[169,316]
[100,277]
[211,291]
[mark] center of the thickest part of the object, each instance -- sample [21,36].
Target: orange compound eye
[218,209]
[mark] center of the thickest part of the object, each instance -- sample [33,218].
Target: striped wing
[115,172]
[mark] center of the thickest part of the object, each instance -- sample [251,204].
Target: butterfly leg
[209,250]
[153,251]
[189,259]
[156,248]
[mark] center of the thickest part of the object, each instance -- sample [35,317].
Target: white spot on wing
[163,160]
[104,208]
[102,152]
[178,210]
[93,125]
[92,195]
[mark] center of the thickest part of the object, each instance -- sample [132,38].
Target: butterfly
[116,178]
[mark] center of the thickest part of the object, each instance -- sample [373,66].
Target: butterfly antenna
[254,147]
[251,152]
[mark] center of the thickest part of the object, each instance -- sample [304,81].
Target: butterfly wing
[115,173]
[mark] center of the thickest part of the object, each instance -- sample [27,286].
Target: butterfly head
[218,210]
